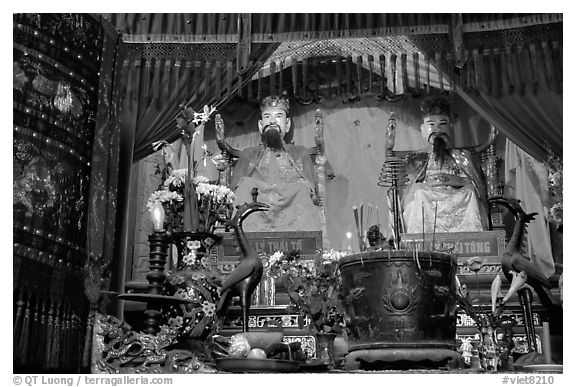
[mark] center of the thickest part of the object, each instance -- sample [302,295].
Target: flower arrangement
[214,201]
[313,289]
[554,165]
[193,280]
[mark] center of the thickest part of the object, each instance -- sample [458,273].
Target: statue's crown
[437,104]
[280,101]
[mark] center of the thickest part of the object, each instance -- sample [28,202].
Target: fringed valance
[281,27]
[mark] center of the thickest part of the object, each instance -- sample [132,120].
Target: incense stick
[357,220]
[423,245]
[434,228]
[362,221]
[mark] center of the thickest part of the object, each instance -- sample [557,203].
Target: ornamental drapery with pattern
[66,144]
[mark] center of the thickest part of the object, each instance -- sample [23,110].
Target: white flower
[208,308]
[193,245]
[199,180]
[162,196]
[277,256]
[189,258]
[177,178]
[197,275]
[182,293]
[205,261]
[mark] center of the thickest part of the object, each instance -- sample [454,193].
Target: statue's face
[274,118]
[437,125]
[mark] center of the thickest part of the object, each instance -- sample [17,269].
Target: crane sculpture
[520,269]
[245,278]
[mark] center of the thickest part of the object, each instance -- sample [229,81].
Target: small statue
[376,240]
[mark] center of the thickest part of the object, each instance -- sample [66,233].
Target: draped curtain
[516,85]
[157,87]
[154,113]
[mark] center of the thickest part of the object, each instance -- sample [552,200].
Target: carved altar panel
[488,246]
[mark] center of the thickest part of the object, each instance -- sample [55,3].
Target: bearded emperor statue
[284,174]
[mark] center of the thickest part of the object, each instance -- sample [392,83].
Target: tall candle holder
[159,248]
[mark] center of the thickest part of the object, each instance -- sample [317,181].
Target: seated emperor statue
[444,185]
[283,173]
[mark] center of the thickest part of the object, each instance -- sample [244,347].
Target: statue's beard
[440,150]
[271,137]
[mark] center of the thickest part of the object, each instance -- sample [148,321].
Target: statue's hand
[317,200]
[219,125]
[493,134]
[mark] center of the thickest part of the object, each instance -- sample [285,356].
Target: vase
[325,349]
[194,280]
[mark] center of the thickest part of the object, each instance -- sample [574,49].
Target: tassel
[250,88]
[147,76]
[188,78]
[535,68]
[68,339]
[478,79]
[416,66]
[339,87]
[41,345]
[218,69]
[494,78]
[519,71]
[504,72]
[383,80]
[49,334]
[316,77]
[197,66]
[53,363]
[359,73]
[404,66]
[273,78]
[17,330]
[523,66]
[208,68]
[305,78]
[449,64]
[166,83]
[229,78]
[281,77]
[73,341]
[156,82]
[88,339]
[24,337]
[438,60]
[241,85]
[427,74]
[557,73]
[259,77]
[370,73]
[62,354]
[349,76]
[34,332]
[294,69]
[176,77]
[393,72]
